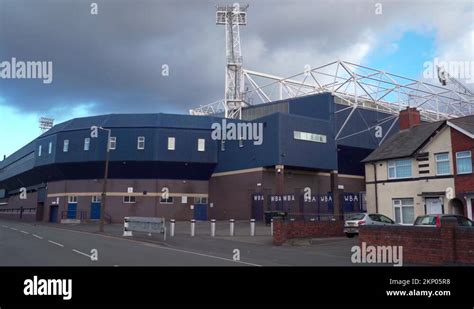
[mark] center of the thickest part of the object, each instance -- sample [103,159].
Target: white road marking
[24,232]
[116,266]
[77,251]
[37,236]
[152,245]
[12,228]
[201,254]
[5,226]
[57,244]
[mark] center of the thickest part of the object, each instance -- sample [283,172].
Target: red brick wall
[283,230]
[461,142]
[424,245]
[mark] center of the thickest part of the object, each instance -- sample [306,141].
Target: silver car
[351,225]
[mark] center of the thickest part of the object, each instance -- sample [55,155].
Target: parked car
[351,225]
[435,220]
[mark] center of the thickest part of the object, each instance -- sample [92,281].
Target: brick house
[462,139]
[426,168]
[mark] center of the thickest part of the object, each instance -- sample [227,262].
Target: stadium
[318,126]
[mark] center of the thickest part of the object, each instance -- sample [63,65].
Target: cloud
[115,59]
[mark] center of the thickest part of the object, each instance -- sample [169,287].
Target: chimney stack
[409,118]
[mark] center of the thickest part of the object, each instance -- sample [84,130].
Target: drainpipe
[376,190]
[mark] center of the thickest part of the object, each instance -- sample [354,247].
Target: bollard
[193,226]
[172,224]
[126,233]
[271,227]
[213,227]
[231,226]
[252,227]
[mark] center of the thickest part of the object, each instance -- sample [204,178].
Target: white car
[351,225]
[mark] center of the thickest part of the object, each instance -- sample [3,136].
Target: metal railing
[69,214]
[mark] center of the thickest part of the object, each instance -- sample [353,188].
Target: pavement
[49,244]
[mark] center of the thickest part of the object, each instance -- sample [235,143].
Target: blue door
[53,213]
[71,210]
[200,212]
[95,211]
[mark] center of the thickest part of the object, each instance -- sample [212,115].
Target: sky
[112,62]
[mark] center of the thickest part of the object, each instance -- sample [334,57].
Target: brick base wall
[283,230]
[15,216]
[424,245]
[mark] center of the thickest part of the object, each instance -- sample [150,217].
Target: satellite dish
[442,75]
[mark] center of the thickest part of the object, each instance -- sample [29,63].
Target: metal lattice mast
[233,16]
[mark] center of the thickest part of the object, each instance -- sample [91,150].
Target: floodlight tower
[45,124]
[233,16]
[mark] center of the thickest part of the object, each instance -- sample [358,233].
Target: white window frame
[141,142]
[169,200]
[442,161]
[66,145]
[96,199]
[72,199]
[392,164]
[310,137]
[463,157]
[201,144]
[40,149]
[129,199]
[171,143]
[50,147]
[199,200]
[113,141]
[401,206]
[87,143]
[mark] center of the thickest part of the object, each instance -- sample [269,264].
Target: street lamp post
[104,183]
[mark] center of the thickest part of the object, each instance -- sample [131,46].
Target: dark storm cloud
[114,59]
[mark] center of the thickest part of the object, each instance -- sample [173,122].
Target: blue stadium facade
[62,170]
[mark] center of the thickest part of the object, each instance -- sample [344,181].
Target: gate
[258,201]
[95,210]
[71,210]
[200,212]
[53,213]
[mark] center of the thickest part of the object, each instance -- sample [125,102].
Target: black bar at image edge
[244,285]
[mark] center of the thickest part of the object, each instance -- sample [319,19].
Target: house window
[310,137]
[112,143]
[404,210]
[129,199]
[72,199]
[66,145]
[201,144]
[171,143]
[141,143]
[96,199]
[200,200]
[39,150]
[463,162]
[399,169]
[442,164]
[50,147]
[168,200]
[87,143]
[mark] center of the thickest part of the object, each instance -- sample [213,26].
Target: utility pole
[104,183]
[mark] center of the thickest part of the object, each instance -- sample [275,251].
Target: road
[29,244]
